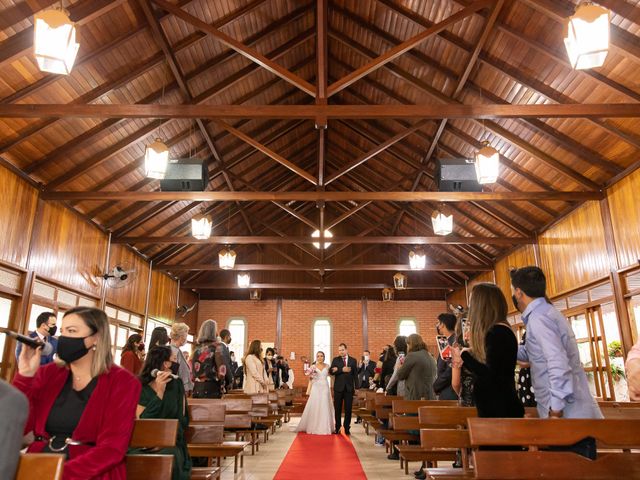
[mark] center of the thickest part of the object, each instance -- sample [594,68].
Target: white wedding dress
[318,417]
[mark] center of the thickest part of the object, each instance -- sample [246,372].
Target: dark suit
[442,386]
[344,388]
[365,372]
[44,359]
[228,376]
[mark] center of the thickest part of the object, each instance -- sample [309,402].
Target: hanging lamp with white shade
[387,294]
[244,280]
[442,223]
[201,226]
[487,164]
[54,41]
[316,234]
[400,281]
[586,36]
[156,159]
[417,259]
[227,258]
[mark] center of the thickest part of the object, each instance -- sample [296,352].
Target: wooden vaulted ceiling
[202,73]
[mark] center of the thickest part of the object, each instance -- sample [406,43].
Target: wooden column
[279,324]
[365,324]
[146,303]
[103,288]
[622,313]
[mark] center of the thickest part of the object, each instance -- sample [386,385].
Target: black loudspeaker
[457,175]
[185,175]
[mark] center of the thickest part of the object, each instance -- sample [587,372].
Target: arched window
[407,326]
[321,338]
[238,329]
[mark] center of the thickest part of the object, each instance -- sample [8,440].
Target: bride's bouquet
[311,371]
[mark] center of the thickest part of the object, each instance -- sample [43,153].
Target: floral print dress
[208,371]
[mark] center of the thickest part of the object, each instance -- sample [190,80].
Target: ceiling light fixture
[442,223]
[327,234]
[54,41]
[227,258]
[417,259]
[156,158]
[400,281]
[387,294]
[586,36]
[244,280]
[201,226]
[487,164]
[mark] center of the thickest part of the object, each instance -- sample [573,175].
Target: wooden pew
[620,434]
[609,404]
[447,439]
[205,435]
[152,433]
[616,412]
[368,415]
[47,466]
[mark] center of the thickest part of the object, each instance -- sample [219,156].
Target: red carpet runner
[326,457]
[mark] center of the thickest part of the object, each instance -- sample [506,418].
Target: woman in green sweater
[163,396]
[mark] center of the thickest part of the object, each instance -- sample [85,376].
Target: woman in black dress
[492,356]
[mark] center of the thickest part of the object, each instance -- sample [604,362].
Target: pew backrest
[40,466]
[445,417]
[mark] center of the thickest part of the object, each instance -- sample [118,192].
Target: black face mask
[515,302]
[71,349]
[175,366]
[141,347]
[53,330]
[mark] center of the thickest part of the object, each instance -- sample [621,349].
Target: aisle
[320,456]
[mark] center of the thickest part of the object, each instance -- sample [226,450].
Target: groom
[344,368]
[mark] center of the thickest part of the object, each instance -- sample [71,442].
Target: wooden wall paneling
[521,257]
[163,297]
[622,314]
[68,250]
[481,278]
[623,198]
[573,252]
[188,297]
[17,215]
[132,296]
[458,297]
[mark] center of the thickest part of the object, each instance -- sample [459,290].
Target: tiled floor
[264,465]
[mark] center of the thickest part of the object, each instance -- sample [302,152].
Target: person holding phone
[442,386]
[83,406]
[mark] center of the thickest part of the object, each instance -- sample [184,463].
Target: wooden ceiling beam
[81,13]
[492,62]
[428,111]
[393,53]
[316,286]
[493,126]
[327,268]
[239,47]
[329,196]
[521,37]
[376,150]
[360,240]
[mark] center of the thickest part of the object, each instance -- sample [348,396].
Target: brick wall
[345,318]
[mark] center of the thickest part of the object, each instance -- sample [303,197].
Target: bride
[318,416]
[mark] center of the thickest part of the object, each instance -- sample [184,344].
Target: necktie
[345,361]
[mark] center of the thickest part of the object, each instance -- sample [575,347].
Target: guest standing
[179,335]
[85,407]
[418,370]
[207,364]
[130,359]
[255,376]
[45,330]
[396,386]
[15,409]
[559,380]
[442,386]
[225,337]
[159,337]
[164,397]
[493,353]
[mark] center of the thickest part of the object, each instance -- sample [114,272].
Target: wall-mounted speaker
[185,175]
[457,175]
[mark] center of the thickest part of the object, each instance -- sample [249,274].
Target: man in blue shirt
[559,380]
[45,331]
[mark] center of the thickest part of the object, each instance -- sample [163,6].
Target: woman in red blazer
[130,359]
[84,407]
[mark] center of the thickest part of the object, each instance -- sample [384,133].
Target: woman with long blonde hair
[492,356]
[255,377]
